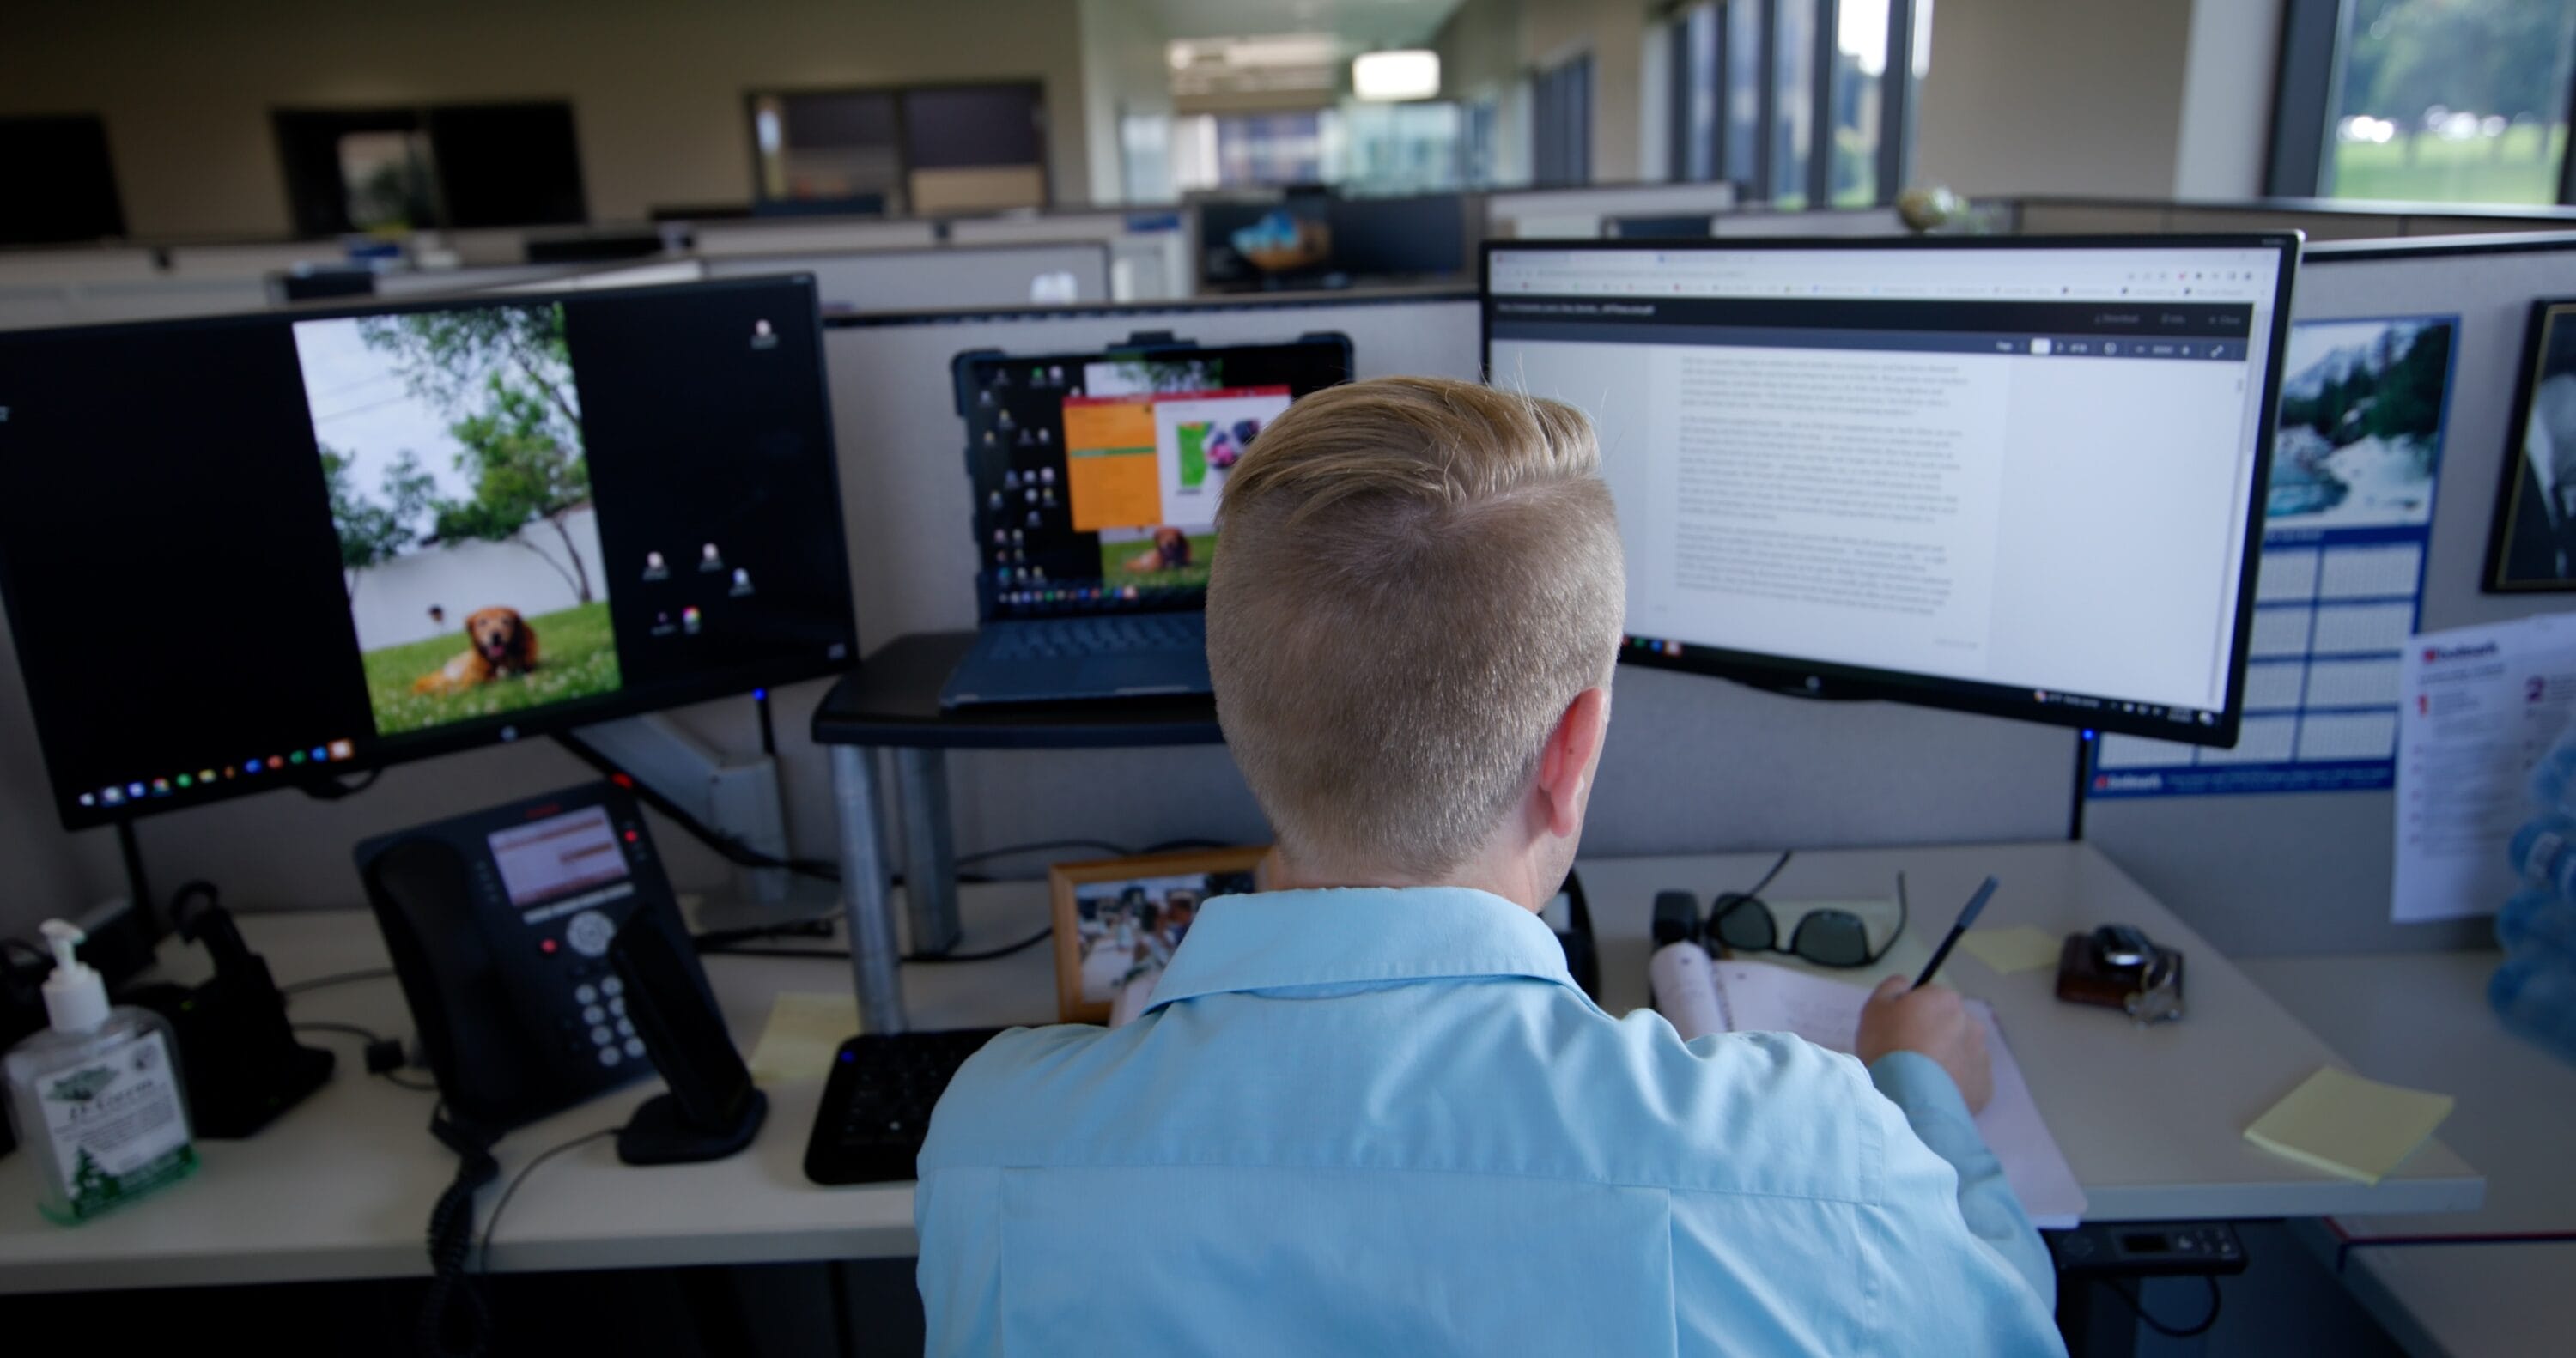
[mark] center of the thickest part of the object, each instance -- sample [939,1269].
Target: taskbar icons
[199,779]
[1025,598]
[2171,715]
[1655,646]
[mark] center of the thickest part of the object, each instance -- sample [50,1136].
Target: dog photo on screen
[451,447]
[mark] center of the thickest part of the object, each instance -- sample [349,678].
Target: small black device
[1676,917]
[712,1109]
[876,1106]
[2164,1249]
[1096,477]
[501,923]
[236,1048]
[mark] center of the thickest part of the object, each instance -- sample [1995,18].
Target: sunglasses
[1828,938]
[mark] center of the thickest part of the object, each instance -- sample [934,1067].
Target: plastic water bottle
[2535,994]
[2552,773]
[2544,852]
[2539,921]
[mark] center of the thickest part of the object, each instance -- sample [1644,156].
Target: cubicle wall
[2322,219]
[1692,764]
[1149,252]
[2310,872]
[1578,213]
[782,236]
[941,276]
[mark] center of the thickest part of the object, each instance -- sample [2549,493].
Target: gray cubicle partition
[2309,872]
[2323,219]
[1692,765]
[943,276]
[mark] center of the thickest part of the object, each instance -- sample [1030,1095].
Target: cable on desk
[336,978]
[843,954]
[2216,1299]
[726,847]
[384,1055]
[483,1253]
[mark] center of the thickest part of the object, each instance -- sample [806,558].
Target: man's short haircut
[1414,577]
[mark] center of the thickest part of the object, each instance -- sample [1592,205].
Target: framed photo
[1118,919]
[2533,546]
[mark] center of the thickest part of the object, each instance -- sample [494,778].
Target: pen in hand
[1967,917]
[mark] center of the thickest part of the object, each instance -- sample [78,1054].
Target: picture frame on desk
[2532,547]
[1118,919]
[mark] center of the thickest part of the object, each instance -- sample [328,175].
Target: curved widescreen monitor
[2016,476]
[253,551]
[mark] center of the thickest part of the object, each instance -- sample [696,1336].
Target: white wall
[1124,70]
[391,603]
[656,86]
[2122,98]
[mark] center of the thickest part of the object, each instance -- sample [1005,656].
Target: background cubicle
[939,275]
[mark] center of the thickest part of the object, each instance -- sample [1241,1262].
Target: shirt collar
[1357,935]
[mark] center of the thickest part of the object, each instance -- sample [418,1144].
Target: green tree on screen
[503,377]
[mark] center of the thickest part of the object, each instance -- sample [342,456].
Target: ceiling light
[1412,74]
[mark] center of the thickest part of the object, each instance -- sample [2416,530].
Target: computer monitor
[2014,476]
[1321,240]
[1096,475]
[242,552]
[1418,236]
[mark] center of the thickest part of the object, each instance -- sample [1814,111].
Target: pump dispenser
[98,1096]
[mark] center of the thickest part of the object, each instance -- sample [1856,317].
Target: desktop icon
[689,620]
[655,568]
[709,559]
[762,337]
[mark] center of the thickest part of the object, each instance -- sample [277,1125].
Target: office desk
[341,1186]
[2422,1019]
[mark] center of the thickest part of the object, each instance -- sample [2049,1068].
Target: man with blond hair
[1368,1111]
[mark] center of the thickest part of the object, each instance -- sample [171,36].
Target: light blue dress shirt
[1387,1122]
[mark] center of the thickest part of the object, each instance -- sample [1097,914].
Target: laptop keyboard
[876,1108]
[1072,638]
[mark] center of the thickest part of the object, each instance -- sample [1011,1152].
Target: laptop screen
[1097,474]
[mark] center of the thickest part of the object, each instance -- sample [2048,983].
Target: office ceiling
[1359,24]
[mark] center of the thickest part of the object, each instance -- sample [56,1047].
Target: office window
[925,149]
[56,184]
[1561,123]
[448,165]
[2450,101]
[1794,101]
[1859,65]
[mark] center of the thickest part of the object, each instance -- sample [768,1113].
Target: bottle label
[2544,856]
[118,1128]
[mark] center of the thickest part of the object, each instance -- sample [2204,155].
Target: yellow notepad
[2020,948]
[2344,1124]
[804,1031]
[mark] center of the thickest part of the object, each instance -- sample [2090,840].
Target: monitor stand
[736,798]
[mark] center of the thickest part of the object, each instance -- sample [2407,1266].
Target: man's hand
[1930,1022]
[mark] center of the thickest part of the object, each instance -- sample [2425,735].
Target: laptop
[1096,479]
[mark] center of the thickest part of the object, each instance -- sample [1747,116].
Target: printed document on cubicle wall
[2481,706]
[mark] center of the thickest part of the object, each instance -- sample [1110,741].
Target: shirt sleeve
[1930,1100]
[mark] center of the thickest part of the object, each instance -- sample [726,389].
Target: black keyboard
[876,1108]
[1120,634]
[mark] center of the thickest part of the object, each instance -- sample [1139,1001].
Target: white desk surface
[341,1186]
[2421,1019]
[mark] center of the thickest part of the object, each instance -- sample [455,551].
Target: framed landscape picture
[1117,920]
[2533,546]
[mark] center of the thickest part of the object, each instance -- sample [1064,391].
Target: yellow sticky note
[803,1033]
[2021,948]
[2344,1124]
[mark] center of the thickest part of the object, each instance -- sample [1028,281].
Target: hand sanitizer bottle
[98,1096]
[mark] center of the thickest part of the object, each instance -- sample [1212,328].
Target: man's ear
[1565,763]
